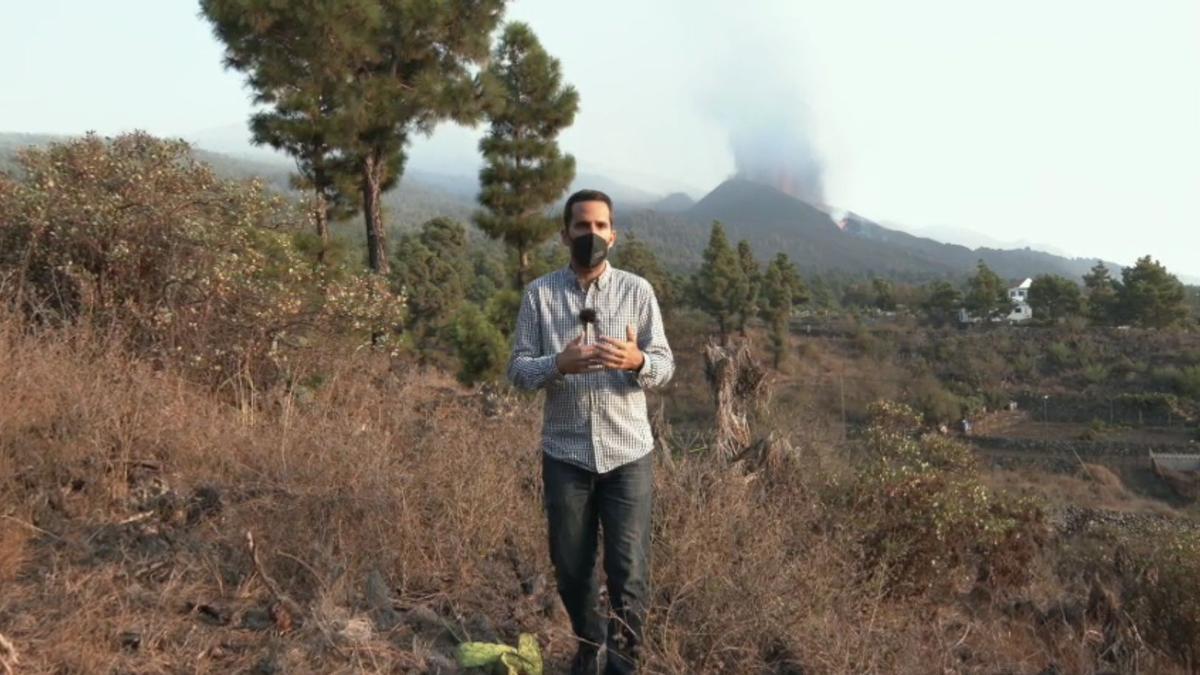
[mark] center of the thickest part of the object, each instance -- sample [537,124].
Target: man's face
[590,218]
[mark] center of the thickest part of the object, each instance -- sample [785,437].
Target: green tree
[634,255]
[1102,306]
[489,274]
[987,295]
[720,282]
[481,348]
[822,295]
[525,171]
[1151,296]
[290,63]
[885,294]
[782,290]
[941,304]
[748,307]
[431,270]
[1053,298]
[384,70]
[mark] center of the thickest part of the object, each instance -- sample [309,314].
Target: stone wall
[1125,410]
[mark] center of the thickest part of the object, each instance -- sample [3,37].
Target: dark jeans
[578,504]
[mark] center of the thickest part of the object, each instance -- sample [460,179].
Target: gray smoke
[780,154]
[756,92]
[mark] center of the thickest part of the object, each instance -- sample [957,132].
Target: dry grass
[122,546]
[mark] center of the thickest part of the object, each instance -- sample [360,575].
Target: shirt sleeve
[528,368]
[652,341]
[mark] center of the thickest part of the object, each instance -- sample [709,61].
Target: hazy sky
[1072,123]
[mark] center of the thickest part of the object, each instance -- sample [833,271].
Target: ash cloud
[756,92]
[779,154]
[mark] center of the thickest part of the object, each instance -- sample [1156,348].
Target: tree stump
[738,384]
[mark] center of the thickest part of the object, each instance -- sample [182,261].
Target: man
[596,442]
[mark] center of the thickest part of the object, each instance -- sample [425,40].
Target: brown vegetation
[245,478]
[125,525]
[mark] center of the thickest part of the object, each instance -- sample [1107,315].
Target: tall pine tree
[987,295]
[720,282]
[1150,296]
[782,290]
[373,72]
[290,54]
[749,303]
[525,171]
[1102,307]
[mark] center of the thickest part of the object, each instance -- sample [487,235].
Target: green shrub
[481,348]
[502,308]
[1188,384]
[1164,597]
[1059,357]
[926,516]
[935,403]
[1094,373]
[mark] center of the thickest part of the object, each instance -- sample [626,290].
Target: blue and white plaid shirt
[596,420]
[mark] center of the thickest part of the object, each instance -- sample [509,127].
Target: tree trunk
[522,267]
[321,216]
[372,179]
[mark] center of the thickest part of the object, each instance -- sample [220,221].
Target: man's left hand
[617,354]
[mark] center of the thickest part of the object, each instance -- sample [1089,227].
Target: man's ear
[565,239]
[613,242]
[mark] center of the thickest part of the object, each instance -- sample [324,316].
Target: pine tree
[748,307]
[1053,298]
[720,283]
[941,304]
[432,272]
[481,348]
[382,71]
[525,170]
[1150,296]
[1102,307]
[885,294]
[987,295]
[290,61]
[782,290]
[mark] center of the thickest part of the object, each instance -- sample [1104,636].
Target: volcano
[773,221]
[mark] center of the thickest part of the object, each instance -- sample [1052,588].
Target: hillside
[677,228]
[773,221]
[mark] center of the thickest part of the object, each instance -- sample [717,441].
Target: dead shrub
[137,237]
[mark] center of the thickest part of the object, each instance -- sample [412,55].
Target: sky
[1070,124]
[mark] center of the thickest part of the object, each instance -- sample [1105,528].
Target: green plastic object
[526,659]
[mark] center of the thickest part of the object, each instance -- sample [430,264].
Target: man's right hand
[576,357]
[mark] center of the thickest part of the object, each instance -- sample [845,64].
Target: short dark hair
[585,196]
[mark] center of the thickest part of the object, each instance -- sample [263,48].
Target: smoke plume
[756,92]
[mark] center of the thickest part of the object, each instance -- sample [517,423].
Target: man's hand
[576,357]
[617,354]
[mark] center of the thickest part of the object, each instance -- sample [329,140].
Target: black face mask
[589,250]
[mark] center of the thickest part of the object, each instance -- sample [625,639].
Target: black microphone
[588,317]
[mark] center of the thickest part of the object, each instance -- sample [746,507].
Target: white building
[1021,312]
[1020,298]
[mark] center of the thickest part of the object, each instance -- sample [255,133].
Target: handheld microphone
[588,317]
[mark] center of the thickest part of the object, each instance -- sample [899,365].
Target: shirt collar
[601,281]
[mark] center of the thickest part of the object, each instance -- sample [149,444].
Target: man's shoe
[586,661]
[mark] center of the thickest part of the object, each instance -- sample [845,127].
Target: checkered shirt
[596,420]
